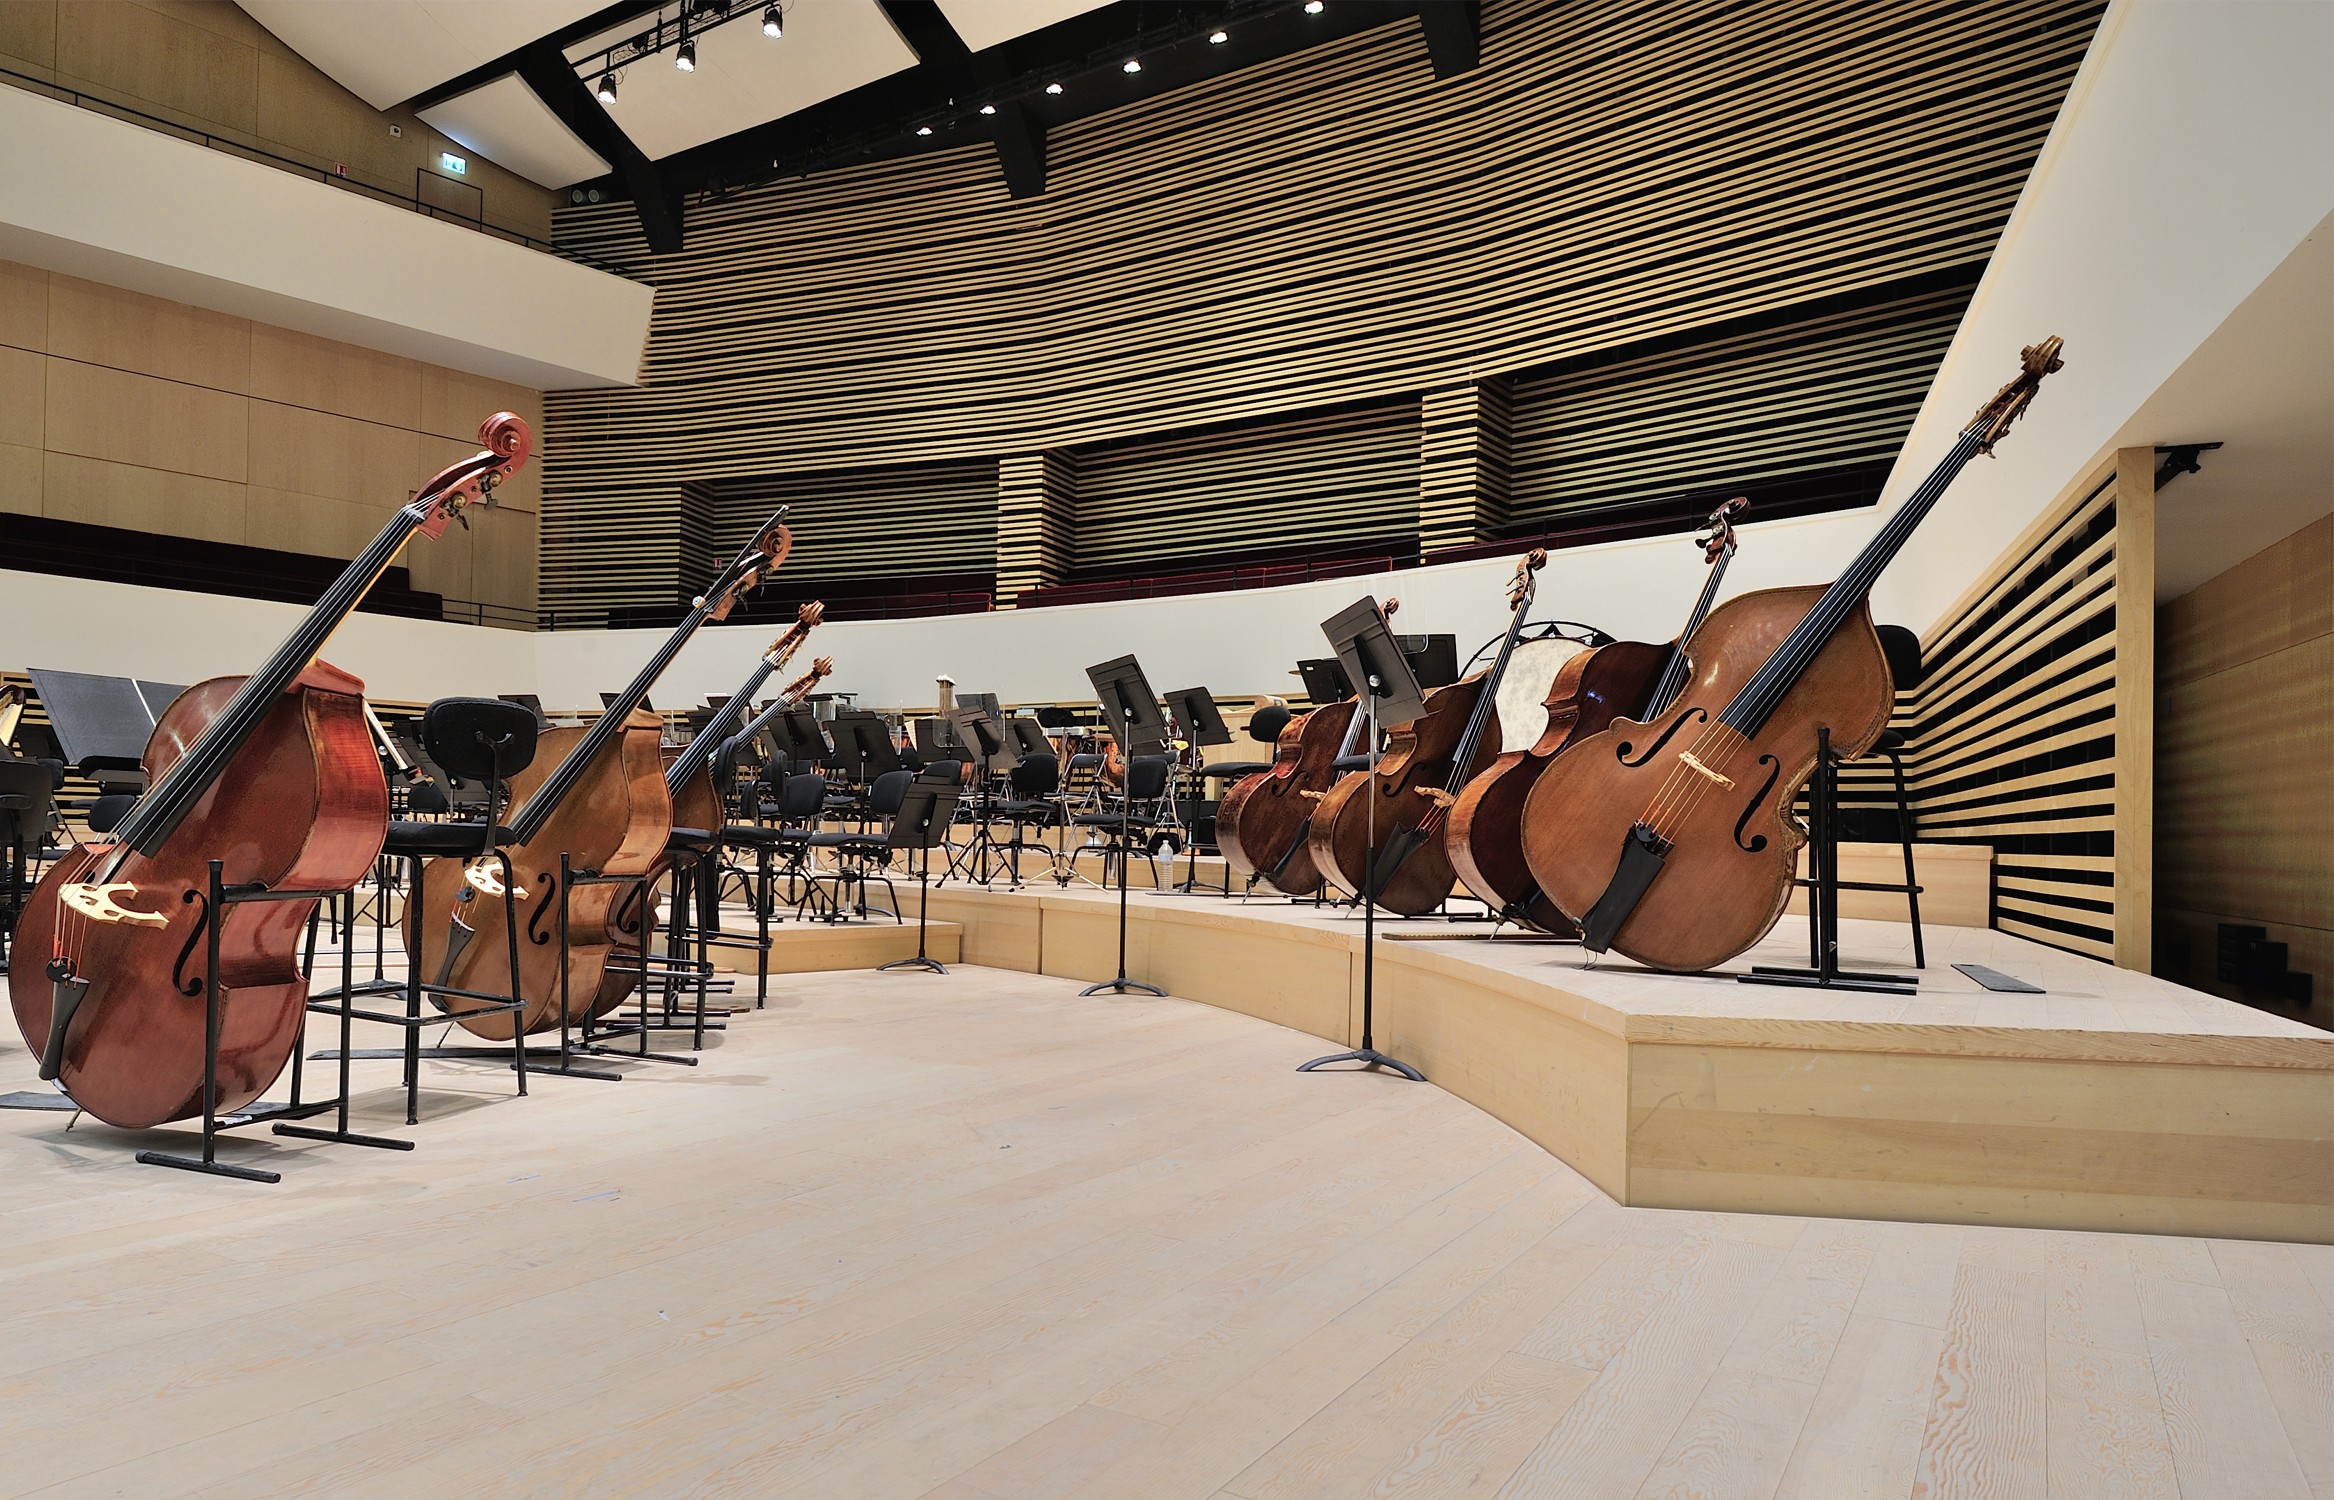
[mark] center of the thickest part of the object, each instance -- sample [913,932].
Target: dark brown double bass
[1673,841]
[1591,688]
[275,776]
[1390,821]
[1263,822]
[603,807]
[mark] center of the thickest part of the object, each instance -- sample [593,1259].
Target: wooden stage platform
[2113,1101]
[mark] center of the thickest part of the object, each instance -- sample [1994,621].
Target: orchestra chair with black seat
[861,857]
[1034,806]
[28,812]
[1132,825]
[798,804]
[1264,726]
[481,742]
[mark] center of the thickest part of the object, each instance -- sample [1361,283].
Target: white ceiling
[744,78]
[2263,384]
[985,23]
[506,123]
[387,51]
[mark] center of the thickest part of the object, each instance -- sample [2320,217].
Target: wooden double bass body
[303,808]
[1418,762]
[1262,822]
[616,821]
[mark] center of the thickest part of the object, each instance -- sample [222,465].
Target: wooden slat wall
[1465,455]
[1332,479]
[2013,732]
[894,522]
[1810,397]
[1333,227]
[1037,519]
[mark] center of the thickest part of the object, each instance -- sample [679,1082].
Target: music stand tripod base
[1368,1057]
[1120,986]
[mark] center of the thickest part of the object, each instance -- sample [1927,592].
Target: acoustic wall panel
[891,522]
[1332,227]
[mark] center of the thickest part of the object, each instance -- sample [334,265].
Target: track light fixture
[1053,88]
[1314,7]
[923,130]
[1132,65]
[686,58]
[605,89]
[773,22]
[988,109]
[1218,38]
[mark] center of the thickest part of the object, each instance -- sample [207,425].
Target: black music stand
[1325,680]
[102,723]
[1131,710]
[1196,715]
[983,735]
[922,824]
[1371,656]
[1029,735]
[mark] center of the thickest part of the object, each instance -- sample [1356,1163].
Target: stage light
[1218,38]
[988,109]
[923,130]
[1313,7]
[1053,88]
[773,23]
[605,89]
[1132,65]
[686,58]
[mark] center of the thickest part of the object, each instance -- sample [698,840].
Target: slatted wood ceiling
[1333,227]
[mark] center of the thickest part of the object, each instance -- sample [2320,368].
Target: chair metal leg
[1912,887]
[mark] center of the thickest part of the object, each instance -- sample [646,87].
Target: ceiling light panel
[985,23]
[387,51]
[742,78]
[504,122]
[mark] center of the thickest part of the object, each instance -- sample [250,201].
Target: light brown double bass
[1385,827]
[1592,686]
[275,776]
[604,808]
[1673,841]
[1263,823]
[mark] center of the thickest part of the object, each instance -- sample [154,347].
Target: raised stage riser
[2042,1126]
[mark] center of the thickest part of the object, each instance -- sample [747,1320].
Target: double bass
[1673,841]
[1390,821]
[1263,823]
[605,807]
[696,803]
[1592,686]
[275,776]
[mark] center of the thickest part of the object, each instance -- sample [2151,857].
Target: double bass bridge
[102,903]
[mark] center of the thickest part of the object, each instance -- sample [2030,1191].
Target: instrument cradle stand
[1367,1054]
[589,1043]
[1823,896]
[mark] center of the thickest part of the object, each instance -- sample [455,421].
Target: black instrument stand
[1823,895]
[1367,1054]
[919,826]
[591,1043]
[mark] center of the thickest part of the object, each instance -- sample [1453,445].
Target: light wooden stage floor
[973,1238]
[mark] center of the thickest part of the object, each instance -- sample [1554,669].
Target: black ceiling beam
[1020,149]
[604,19]
[545,69]
[1454,34]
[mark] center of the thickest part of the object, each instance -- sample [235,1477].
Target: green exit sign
[459,166]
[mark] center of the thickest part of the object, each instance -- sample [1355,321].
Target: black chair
[1133,826]
[106,812]
[860,856]
[1905,670]
[482,742]
[1264,726]
[796,802]
[1036,781]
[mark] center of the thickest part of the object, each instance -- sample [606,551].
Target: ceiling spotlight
[1053,88]
[773,23]
[988,109]
[923,130]
[591,195]
[686,58]
[605,89]
[1313,7]
[1132,65]
[1218,38]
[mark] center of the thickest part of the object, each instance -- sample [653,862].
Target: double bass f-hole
[1690,716]
[548,884]
[1759,840]
[194,935]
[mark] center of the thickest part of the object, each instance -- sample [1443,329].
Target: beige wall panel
[95,412]
[454,402]
[222,18]
[315,524]
[103,325]
[2246,760]
[24,306]
[1956,880]
[999,932]
[502,559]
[23,377]
[1554,1077]
[317,453]
[1272,976]
[2279,597]
[28,32]
[443,566]
[297,369]
[163,59]
[20,480]
[98,493]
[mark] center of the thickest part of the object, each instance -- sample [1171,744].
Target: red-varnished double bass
[1263,821]
[1591,688]
[275,776]
[605,807]
[1673,841]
